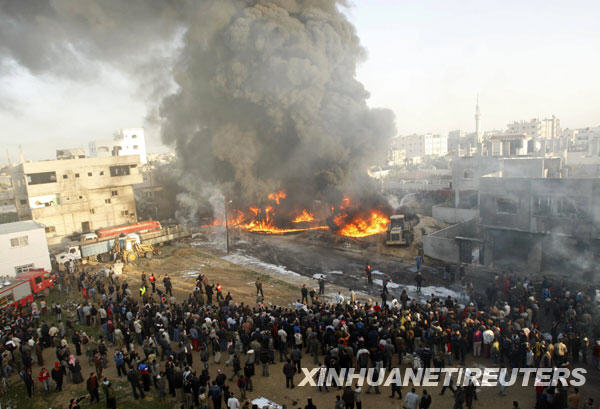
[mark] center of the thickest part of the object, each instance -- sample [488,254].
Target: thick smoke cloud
[268,100]
[266,93]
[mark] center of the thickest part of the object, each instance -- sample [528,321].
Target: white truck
[101,249]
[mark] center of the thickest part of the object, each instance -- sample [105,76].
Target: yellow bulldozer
[129,249]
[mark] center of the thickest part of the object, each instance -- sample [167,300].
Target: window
[40,178]
[50,229]
[92,211]
[23,202]
[542,205]
[38,280]
[122,170]
[89,173]
[124,212]
[468,174]
[65,176]
[77,175]
[101,173]
[508,206]
[114,193]
[135,147]
[19,241]
[107,201]
[80,197]
[572,207]
[23,268]
[133,136]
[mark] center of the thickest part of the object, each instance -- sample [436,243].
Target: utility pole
[226,225]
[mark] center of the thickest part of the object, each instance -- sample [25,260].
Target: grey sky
[426,62]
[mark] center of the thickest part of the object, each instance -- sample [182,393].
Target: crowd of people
[156,342]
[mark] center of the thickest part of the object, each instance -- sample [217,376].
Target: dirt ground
[183,262]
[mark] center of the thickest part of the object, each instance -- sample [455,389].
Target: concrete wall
[443,244]
[453,215]
[441,248]
[35,252]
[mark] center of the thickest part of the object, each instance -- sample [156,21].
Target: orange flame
[277,196]
[359,223]
[374,223]
[305,216]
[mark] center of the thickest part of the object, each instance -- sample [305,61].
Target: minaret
[478,121]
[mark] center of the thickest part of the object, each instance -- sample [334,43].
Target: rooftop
[16,227]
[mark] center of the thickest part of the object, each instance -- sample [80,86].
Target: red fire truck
[22,289]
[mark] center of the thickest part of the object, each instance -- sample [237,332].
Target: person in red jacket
[44,378]
[596,355]
[152,280]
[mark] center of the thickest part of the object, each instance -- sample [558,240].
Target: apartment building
[128,141]
[548,128]
[74,196]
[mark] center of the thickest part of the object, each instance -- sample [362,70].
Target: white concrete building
[416,146]
[74,196]
[129,141]
[548,128]
[23,246]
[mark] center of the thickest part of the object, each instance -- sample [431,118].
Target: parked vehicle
[102,248]
[27,285]
[399,232]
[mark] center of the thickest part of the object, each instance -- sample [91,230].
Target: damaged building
[74,196]
[530,218]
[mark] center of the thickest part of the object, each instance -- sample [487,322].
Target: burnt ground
[321,252]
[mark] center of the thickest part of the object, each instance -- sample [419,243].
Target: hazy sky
[427,60]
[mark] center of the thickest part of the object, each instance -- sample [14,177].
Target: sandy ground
[183,262]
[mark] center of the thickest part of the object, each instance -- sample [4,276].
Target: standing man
[322,285]
[369,274]
[58,373]
[425,400]
[418,262]
[219,293]
[412,399]
[304,292]
[233,402]
[289,370]
[92,388]
[152,280]
[419,280]
[259,288]
[133,376]
[168,285]
[44,378]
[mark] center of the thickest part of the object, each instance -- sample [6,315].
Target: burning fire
[362,226]
[347,220]
[356,223]
[305,216]
[264,223]
[277,196]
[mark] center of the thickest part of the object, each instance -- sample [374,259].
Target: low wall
[441,248]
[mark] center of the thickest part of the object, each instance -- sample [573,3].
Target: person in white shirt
[412,399]
[233,402]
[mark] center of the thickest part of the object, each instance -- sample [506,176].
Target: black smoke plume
[268,100]
[266,97]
